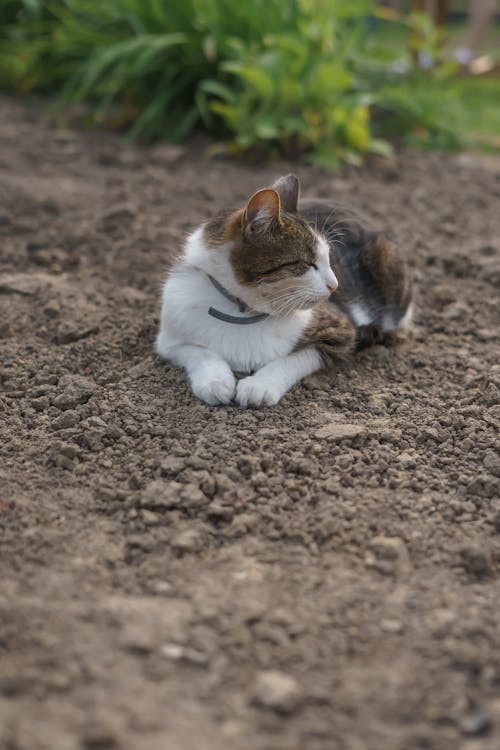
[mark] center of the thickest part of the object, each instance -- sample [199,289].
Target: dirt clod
[75,391]
[337,432]
[278,691]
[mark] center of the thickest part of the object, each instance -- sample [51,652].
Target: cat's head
[280,260]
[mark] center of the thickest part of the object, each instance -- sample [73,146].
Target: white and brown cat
[254,292]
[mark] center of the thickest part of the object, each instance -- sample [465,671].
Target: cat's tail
[331,333]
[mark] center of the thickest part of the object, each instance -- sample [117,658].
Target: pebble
[217,511]
[247,465]
[476,560]
[407,461]
[5,329]
[336,431]
[388,548]
[25,284]
[430,433]
[389,555]
[491,461]
[172,465]
[189,540]
[164,494]
[77,391]
[496,522]
[99,738]
[118,213]
[476,725]
[69,418]
[74,330]
[40,404]
[278,691]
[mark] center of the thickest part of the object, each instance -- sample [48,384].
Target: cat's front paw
[214,385]
[259,390]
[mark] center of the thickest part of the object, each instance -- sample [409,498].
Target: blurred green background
[326,80]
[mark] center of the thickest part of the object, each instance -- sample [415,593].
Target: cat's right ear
[263,209]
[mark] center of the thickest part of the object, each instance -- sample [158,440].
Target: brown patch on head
[219,230]
[268,243]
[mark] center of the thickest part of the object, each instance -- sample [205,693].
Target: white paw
[259,390]
[214,384]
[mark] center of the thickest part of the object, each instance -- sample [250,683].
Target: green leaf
[255,77]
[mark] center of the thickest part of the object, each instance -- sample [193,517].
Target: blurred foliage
[294,77]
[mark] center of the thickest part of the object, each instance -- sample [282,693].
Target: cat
[254,292]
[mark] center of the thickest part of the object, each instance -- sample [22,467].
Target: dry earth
[321,575]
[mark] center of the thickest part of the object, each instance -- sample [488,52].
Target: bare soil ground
[321,575]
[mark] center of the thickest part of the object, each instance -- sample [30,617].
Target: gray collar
[238,319]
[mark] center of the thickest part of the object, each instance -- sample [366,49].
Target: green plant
[297,91]
[294,78]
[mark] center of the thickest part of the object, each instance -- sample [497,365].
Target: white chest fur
[187,296]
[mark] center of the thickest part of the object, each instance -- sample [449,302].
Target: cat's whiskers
[287,303]
[331,233]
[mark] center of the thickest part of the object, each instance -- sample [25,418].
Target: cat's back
[374,283]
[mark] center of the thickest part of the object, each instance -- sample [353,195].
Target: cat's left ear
[288,190]
[263,209]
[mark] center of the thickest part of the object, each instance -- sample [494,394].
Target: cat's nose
[331,281]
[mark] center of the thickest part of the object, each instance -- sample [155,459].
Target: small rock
[192,496]
[496,522]
[25,284]
[118,213]
[491,461]
[476,725]
[172,465]
[430,433]
[5,329]
[172,651]
[217,511]
[69,418]
[167,153]
[74,330]
[187,541]
[68,450]
[99,738]
[77,390]
[63,455]
[389,555]
[407,461]
[52,308]
[388,548]
[175,652]
[247,465]
[45,378]
[207,483]
[277,691]
[476,560]
[40,404]
[336,431]
[162,495]
[391,626]
[150,518]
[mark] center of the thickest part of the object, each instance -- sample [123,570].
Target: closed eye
[313,265]
[282,266]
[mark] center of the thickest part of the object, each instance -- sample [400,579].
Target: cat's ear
[288,189]
[263,209]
